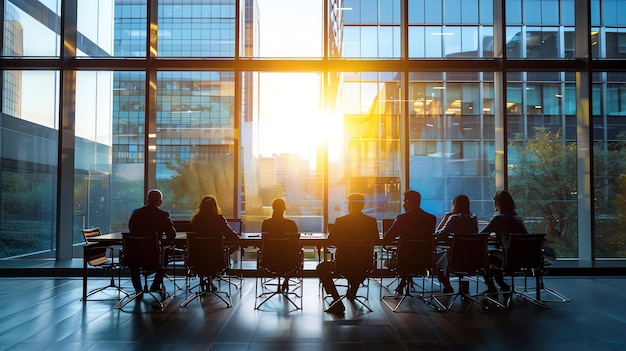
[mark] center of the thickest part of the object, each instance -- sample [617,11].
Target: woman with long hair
[505,222]
[209,221]
[458,220]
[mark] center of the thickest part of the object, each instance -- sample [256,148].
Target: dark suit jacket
[150,219]
[279,226]
[417,224]
[353,226]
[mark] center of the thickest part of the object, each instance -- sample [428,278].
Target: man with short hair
[414,222]
[354,225]
[151,220]
[278,224]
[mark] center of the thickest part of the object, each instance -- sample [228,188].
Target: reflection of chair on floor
[467,258]
[413,258]
[279,264]
[522,255]
[104,257]
[206,258]
[355,261]
[142,255]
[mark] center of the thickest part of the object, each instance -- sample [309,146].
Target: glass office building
[250,100]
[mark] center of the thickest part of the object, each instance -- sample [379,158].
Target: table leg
[84,275]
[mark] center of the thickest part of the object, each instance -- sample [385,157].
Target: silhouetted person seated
[503,223]
[277,225]
[209,221]
[354,225]
[458,220]
[414,223]
[146,221]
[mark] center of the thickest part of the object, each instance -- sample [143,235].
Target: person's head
[461,204]
[155,197]
[278,207]
[356,202]
[209,206]
[412,200]
[503,202]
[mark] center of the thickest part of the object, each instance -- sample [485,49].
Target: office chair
[467,258]
[143,255]
[279,259]
[522,254]
[105,258]
[206,258]
[354,259]
[413,258]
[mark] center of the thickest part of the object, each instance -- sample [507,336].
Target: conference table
[307,239]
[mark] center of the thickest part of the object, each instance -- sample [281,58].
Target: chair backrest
[235,224]
[468,253]
[141,252]
[206,254]
[414,256]
[281,253]
[90,233]
[354,256]
[523,251]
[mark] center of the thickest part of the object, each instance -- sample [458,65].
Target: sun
[290,118]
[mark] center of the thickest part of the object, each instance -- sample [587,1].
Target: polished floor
[47,314]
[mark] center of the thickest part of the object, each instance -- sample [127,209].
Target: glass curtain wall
[250,100]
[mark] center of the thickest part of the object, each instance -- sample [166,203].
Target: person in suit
[209,221]
[504,222]
[278,224]
[354,225]
[458,220]
[151,220]
[414,222]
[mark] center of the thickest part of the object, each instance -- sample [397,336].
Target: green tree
[542,179]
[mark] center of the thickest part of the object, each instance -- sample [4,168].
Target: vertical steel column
[584,135]
[499,86]
[150,136]
[67,126]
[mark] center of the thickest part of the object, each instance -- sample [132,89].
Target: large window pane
[448,155]
[128,128]
[366,158]
[278,29]
[196,29]
[95,22]
[32,30]
[610,168]
[542,164]
[282,149]
[29,162]
[371,29]
[195,140]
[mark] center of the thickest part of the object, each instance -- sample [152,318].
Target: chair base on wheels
[161,297]
[207,287]
[462,293]
[356,298]
[427,296]
[270,287]
[117,287]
